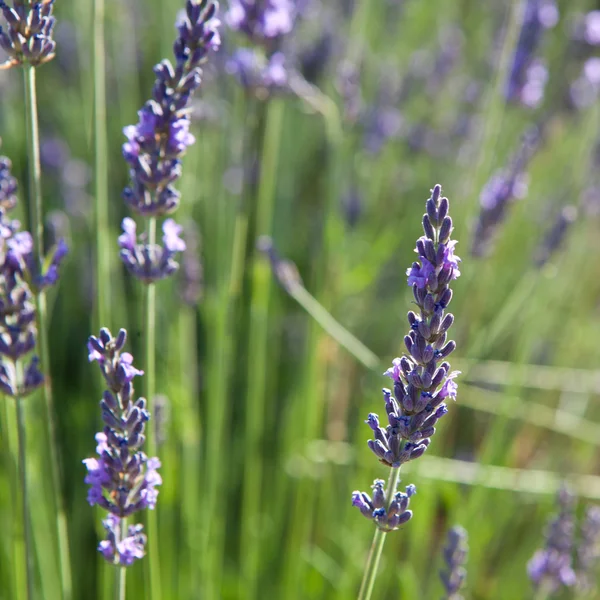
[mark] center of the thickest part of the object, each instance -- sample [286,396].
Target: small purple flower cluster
[387,514]
[261,21]
[155,146]
[502,188]
[262,69]
[122,479]
[551,568]
[19,273]
[528,75]
[455,555]
[28,37]
[422,384]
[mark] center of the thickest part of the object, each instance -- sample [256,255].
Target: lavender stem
[153,564]
[23,485]
[37,231]
[103,251]
[121,587]
[372,566]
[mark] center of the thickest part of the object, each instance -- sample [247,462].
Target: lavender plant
[528,75]
[502,188]
[28,42]
[455,555]
[153,151]
[20,372]
[550,568]
[122,478]
[422,379]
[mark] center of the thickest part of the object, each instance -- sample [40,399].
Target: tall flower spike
[455,555]
[422,378]
[503,188]
[550,568]
[155,146]
[19,273]
[122,478]
[538,16]
[27,37]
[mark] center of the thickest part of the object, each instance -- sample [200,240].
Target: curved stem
[22,461]
[368,581]
[153,562]
[36,227]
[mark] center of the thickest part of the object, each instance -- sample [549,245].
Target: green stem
[366,587]
[37,230]
[121,583]
[258,366]
[103,252]
[19,557]
[24,494]
[153,563]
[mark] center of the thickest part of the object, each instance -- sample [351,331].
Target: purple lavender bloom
[455,555]
[28,35]
[588,551]
[17,310]
[387,515]
[538,16]
[422,378]
[551,567]
[505,186]
[126,551]
[592,28]
[261,20]
[257,74]
[8,185]
[150,262]
[155,146]
[122,478]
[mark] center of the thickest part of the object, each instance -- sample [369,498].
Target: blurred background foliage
[262,434]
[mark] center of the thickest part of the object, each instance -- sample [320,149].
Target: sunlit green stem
[36,227]
[103,252]
[366,587]
[121,583]
[152,563]
[258,343]
[22,466]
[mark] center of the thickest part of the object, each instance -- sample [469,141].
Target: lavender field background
[301,201]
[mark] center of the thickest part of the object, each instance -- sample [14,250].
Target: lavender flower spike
[551,568]
[19,273]
[122,478]
[455,555]
[422,378]
[261,20]
[155,146]
[27,38]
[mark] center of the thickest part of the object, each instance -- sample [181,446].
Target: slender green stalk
[366,587]
[152,563]
[37,231]
[121,583]
[337,331]
[258,346]
[22,441]
[19,556]
[103,253]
